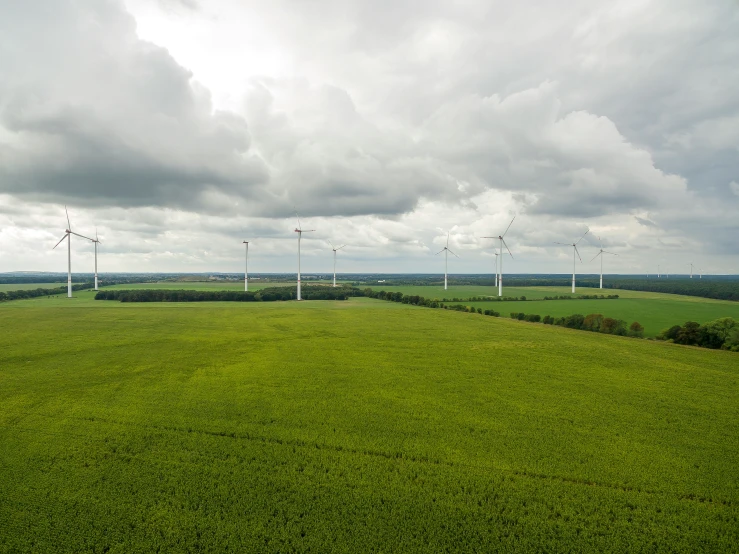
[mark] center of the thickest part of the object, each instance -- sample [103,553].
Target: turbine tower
[335,250]
[574,252]
[446,257]
[499,272]
[496,261]
[68,236]
[299,230]
[246,267]
[600,253]
[96,242]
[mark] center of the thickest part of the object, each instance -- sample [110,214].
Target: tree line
[722,333]
[271,294]
[35,293]
[595,323]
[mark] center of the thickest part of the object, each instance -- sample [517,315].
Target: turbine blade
[340,247]
[506,247]
[81,236]
[440,251]
[611,253]
[69,225]
[296,215]
[598,254]
[60,241]
[331,243]
[447,239]
[563,243]
[576,250]
[509,226]
[452,253]
[583,236]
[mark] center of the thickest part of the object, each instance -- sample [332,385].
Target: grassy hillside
[356,426]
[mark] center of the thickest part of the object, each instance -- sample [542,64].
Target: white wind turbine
[446,258]
[499,272]
[246,267]
[600,253]
[574,252]
[299,230]
[496,261]
[691,269]
[335,250]
[96,242]
[68,236]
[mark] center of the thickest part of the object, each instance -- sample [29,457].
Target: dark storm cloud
[91,113]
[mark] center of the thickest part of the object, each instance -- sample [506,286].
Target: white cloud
[395,123]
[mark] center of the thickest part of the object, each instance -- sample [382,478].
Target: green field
[356,426]
[655,311]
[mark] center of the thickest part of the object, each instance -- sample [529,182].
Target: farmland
[356,426]
[655,311]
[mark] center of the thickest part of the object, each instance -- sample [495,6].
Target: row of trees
[271,294]
[722,333]
[35,293]
[704,288]
[595,323]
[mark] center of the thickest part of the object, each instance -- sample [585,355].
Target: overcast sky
[170,125]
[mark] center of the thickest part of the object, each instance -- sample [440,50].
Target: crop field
[354,426]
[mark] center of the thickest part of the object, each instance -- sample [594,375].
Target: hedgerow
[271,294]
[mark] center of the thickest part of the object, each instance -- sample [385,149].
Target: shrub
[574,321]
[592,322]
[636,330]
[669,334]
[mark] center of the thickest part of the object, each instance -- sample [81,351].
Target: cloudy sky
[170,125]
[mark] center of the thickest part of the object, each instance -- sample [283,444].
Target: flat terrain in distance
[4,287]
[356,426]
[655,311]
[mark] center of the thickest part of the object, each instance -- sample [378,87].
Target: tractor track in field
[399,456]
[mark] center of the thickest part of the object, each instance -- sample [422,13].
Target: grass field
[356,426]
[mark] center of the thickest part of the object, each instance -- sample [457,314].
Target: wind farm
[425,372]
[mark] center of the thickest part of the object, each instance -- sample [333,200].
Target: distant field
[201,285]
[655,311]
[653,314]
[30,286]
[356,426]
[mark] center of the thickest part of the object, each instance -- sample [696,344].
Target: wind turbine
[246,267]
[299,230]
[68,236]
[574,251]
[691,269]
[96,242]
[446,257]
[499,273]
[600,253]
[496,261]
[335,250]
